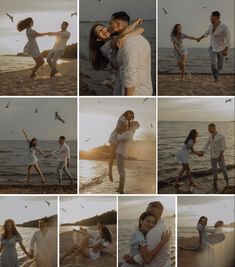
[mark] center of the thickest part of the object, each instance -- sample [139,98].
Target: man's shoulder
[136,39]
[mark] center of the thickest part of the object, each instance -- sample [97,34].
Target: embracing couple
[32,49]
[123,46]
[120,141]
[63,164]
[219,44]
[43,242]
[215,144]
[149,244]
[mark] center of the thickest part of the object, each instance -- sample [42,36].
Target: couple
[88,246]
[215,144]
[120,141]
[219,44]
[149,245]
[43,240]
[63,151]
[32,48]
[128,52]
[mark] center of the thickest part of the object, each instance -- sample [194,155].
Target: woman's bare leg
[29,172]
[188,173]
[179,175]
[183,62]
[39,62]
[111,160]
[39,172]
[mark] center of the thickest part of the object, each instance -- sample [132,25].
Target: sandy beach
[140,179]
[195,85]
[107,260]
[18,82]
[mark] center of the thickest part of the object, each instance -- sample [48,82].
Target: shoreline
[18,82]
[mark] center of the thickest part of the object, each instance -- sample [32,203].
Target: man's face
[157,212]
[117,25]
[213,19]
[64,26]
[42,223]
[60,141]
[211,129]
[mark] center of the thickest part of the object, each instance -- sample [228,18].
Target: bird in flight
[165,11]
[87,140]
[48,203]
[10,17]
[12,132]
[146,99]
[205,7]
[58,117]
[7,105]
[36,110]
[64,210]
[82,206]
[25,207]
[228,100]
[151,125]
[74,14]
[100,1]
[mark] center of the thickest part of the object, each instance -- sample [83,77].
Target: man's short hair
[45,219]
[212,125]
[122,16]
[155,204]
[62,137]
[65,22]
[215,13]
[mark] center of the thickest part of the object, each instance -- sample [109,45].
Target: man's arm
[206,34]
[205,148]
[222,147]
[68,156]
[227,40]
[32,243]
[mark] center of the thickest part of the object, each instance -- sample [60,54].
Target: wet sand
[18,82]
[107,260]
[195,85]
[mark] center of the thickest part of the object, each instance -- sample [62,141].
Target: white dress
[31,157]
[31,48]
[122,124]
[183,154]
[9,257]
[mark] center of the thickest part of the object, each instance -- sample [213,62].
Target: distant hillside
[52,221]
[109,217]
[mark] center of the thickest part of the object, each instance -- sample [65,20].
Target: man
[59,47]
[134,59]
[63,160]
[45,242]
[219,43]
[216,144]
[123,144]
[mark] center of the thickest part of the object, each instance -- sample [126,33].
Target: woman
[32,159]
[31,47]
[138,244]
[89,247]
[182,156]
[123,125]
[180,51]
[9,238]
[103,47]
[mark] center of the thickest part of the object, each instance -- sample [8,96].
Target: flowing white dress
[31,48]
[183,154]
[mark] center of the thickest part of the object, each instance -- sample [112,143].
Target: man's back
[134,61]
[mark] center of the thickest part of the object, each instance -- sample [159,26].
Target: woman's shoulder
[137,236]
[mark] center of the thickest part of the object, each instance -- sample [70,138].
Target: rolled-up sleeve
[227,37]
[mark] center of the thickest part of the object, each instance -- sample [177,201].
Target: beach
[195,84]
[140,177]
[18,82]
[106,260]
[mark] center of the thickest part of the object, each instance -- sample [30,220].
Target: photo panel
[117,146]
[38,146]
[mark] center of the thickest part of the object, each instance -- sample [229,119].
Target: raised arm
[26,136]
[132,26]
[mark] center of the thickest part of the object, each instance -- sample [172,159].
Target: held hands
[225,52]
[200,153]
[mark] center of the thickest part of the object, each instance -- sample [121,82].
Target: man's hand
[221,155]
[129,91]
[199,39]
[128,259]
[225,52]
[201,153]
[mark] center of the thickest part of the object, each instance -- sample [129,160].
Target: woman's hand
[166,236]
[139,21]
[121,41]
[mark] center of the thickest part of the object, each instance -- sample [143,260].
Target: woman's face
[31,23]
[203,221]
[179,28]
[148,223]
[8,226]
[102,32]
[130,116]
[34,142]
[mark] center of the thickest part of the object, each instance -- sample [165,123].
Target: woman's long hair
[31,143]
[202,218]
[174,30]
[13,229]
[191,136]
[24,24]
[106,235]
[144,215]
[98,61]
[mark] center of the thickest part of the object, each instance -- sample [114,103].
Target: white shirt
[124,141]
[64,153]
[153,239]
[215,145]
[134,62]
[220,38]
[61,40]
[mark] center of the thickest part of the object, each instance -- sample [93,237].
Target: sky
[21,114]
[131,207]
[79,208]
[195,109]
[98,118]
[47,16]
[94,10]
[23,209]
[215,208]
[193,18]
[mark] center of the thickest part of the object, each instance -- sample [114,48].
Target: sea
[198,61]
[127,227]
[13,160]
[171,136]
[85,66]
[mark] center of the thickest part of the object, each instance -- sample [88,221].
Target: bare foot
[110,175]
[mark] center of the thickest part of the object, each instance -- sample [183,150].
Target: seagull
[7,105]
[228,100]
[100,1]
[10,17]
[74,14]
[205,7]
[64,210]
[48,203]
[58,117]
[146,99]
[151,125]
[82,206]
[87,140]
[165,11]
[36,110]
[25,207]
[12,132]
